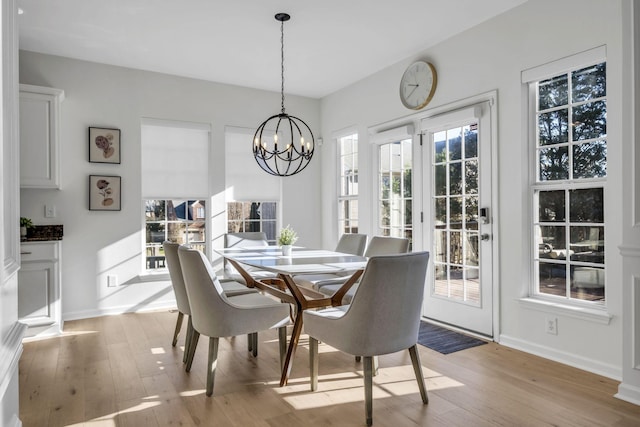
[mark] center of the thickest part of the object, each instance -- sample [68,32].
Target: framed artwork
[104,193]
[104,145]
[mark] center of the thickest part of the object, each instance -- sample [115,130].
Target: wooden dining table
[282,285]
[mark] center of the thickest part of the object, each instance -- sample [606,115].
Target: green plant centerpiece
[287,238]
[25,224]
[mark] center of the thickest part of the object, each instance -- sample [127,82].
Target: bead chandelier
[289,150]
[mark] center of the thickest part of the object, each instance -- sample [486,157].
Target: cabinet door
[37,297]
[39,137]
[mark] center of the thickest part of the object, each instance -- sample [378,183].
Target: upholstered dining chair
[215,315]
[383,318]
[243,240]
[182,301]
[379,245]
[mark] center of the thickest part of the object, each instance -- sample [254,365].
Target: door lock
[485,236]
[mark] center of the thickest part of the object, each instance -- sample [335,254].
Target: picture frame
[105,192]
[104,145]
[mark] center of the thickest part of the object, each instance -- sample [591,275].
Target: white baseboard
[589,365]
[628,393]
[86,314]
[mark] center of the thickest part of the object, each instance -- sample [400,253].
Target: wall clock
[418,84]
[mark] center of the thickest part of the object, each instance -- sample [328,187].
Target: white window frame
[396,134]
[589,310]
[341,197]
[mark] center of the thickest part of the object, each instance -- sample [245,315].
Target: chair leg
[178,327]
[212,362]
[313,363]
[249,342]
[282,341]
[375,365]
[358,358]
[417,368]
[368,389]
[253,339]
[187,340]
[193,343]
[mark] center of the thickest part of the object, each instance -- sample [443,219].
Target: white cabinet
[39,136]
[39,304]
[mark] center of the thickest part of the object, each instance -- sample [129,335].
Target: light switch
[49,211]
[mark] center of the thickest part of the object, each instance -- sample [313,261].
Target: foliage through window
[253,216]
[179,221]
[568,192]
[348,179]
[395,193]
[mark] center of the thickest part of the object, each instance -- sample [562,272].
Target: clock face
[418,85]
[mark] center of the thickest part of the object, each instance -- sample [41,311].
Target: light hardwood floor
[122,371]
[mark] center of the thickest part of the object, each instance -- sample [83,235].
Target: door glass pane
[455,208]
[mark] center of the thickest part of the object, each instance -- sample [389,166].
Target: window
[348,179]
[570,164]
[179,221]
[175,175]
[253,216]
[395,192]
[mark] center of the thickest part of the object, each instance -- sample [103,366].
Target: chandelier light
[283,145]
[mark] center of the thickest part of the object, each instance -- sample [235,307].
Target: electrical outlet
[112,280]
[552,325]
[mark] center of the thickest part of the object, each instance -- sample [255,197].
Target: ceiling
[329,44]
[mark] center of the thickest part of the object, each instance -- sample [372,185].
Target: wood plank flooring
[122,371]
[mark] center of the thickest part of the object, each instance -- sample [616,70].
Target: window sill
[582,313]
[155,276]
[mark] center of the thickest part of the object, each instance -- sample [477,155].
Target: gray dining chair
[383,318]
[182,300]
[379,245]
[215,315]
[243,240]
[352,244]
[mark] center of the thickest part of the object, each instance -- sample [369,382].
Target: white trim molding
[10,353]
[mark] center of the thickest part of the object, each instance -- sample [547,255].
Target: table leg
[293,344]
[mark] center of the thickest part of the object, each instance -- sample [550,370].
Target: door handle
[485,236]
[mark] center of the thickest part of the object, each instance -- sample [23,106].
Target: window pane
[268,210]
[587,244]
[440,147]
[440,180]
[385,186]
[407,183]
[455,212]
[552,278]
[586,205]
[471,177]
[177,232]
[471,249]
[385,155]
[408,217]
[590,160]
[155,210]
[553,127]
[554,243]
[396,160]
[471,212]
[455,178]
[455,249]
[471,141]
[587,283]
[395,185]
[455,143]
[441,211]
[441,246]
[551,206]
[589,83]
[554,163]
[590,121]
[553,92]
[155,232]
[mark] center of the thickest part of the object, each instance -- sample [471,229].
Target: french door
[458,218]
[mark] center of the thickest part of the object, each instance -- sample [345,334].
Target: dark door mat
[444,340]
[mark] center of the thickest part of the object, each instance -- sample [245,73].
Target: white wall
[489,57]
[99,243]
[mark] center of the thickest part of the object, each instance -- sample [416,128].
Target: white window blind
[244,178]
[175,159]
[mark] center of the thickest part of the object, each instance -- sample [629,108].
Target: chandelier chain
[282,62]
